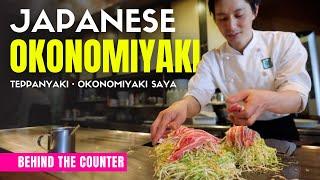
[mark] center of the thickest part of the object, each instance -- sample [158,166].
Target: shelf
[134,106]
[85,118]
[92,101]
[140,106]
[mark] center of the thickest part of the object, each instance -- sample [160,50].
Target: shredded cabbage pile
[197,164]
[227,163]
[258,157]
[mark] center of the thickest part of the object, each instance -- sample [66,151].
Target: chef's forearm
[193,106]
[284,102]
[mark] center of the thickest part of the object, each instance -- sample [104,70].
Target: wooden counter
[307,165]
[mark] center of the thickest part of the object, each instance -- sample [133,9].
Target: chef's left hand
[246,106]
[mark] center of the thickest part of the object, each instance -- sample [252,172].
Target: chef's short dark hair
[252,3]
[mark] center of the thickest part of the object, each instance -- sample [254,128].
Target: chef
[262,74]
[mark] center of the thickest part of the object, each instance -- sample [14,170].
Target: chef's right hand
[170,118]
[233,109]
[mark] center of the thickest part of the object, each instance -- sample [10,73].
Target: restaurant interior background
[135,109]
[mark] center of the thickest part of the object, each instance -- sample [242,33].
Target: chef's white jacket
[272,60]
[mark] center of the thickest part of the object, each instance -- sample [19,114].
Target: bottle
[131,99]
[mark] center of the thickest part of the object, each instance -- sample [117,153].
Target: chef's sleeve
[291,69]
[202,85]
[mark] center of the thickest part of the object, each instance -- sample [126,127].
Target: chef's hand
[170,118]
[246,106]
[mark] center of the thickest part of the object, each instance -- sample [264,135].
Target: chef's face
[234,19]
